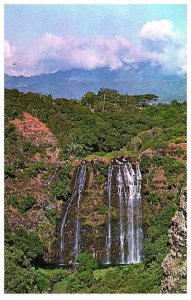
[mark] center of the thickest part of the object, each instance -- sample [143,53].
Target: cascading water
[130,235]
[66,213]
[77,191]
[131,213]
[109,233]
[120,192]
[81,184]
[139,237]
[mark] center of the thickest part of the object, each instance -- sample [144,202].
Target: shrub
[64,172]
[26,203]
[9,171]
[80,282]
[173,167]
[154,197]
[29,148]
[13,201]
[44,276]
[10,132]
[61,189]
[160,143]
[86,262]
[101,209]
[100,171]
[157,160]
[18,279]
[83,279]
[145,163]
[23,204]
[36,168]
[22,251]
[31,246]
[153,232]
[179,152]
[51,215]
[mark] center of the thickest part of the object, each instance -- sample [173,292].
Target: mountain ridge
[74,83]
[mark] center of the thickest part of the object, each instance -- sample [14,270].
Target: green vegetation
[83,279]
[51,215]
[108,126]
[26,203]
[44,277]
[36,168]
[23,251]
[9,171]
[103,125]
[100,171]
[23,204]
[101,209]
[61,188]
[86,262]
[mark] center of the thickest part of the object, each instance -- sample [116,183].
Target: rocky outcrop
[175,263]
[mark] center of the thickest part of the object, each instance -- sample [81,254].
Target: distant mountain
[74,83]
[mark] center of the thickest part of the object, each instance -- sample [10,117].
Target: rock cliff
[175,263]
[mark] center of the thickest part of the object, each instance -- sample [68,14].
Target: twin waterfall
[123,235]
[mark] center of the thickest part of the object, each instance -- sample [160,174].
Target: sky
[47,38]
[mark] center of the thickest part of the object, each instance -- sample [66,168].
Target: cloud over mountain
[158,44]
[164,45]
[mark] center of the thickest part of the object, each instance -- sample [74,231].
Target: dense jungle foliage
[107,124]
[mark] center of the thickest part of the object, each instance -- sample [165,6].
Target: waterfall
[108,237]
[81,185]
[66,213]
[130,236]
[134,229]
[139,238]
[124,236]
[120,192]
[77,191]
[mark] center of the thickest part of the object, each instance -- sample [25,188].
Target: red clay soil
[148,152]
[31,127]
[52,156]
[38,133]
[171,149]
[159,179]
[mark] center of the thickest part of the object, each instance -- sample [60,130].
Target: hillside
[46,141]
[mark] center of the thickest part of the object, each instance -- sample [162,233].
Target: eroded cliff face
[92,213]
[175,263]
[103,216]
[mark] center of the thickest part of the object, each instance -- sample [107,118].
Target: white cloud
[159,44]
[157,30]
[162,44]
[9,49]
[51,53]
[85,53]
